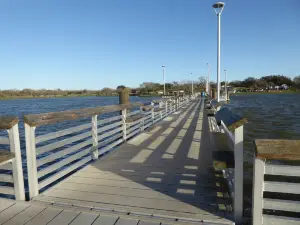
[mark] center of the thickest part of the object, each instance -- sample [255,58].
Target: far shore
[271,92]
[57,96]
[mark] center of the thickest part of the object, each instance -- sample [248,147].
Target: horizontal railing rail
[54,155]
[11,172]
[276,186]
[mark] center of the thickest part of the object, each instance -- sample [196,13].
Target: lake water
[269,115]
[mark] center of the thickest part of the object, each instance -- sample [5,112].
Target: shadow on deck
[164,172]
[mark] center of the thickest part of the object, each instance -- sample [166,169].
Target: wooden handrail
[34,120]
[7,122]
[276,149]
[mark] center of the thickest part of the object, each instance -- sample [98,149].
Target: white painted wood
[66,141]
[280,220]
[258,188]
[110,139]
[133,133]
[6,162]
[110,119]
[110,146]
[6,166]
[63,162]
[6,178]
[7,190]
[31,161]
[282,187]
[283,170]
[238,174]
[54,156]
[133,128]
[284,205]
[14,143]
[94,151]
[61,133]
[124,116]
[4,141]
[110,126]
[67,170]
[105,220]
[134,122]
[227,131]
[109,133]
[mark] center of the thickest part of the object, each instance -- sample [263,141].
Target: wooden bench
[276,201]
[213,107]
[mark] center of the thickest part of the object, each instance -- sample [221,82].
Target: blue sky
[76,44]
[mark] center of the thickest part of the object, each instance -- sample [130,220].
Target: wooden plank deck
[162,176]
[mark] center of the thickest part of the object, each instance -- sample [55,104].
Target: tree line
[267,82]
[149,88]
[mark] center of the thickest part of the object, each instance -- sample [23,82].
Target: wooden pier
[175,161]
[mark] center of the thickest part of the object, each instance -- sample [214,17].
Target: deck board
[25,216]
[106,220]
[84,218]
[12,211]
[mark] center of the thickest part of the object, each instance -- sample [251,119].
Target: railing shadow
[182,180]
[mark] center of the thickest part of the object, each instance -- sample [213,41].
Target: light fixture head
[218,7]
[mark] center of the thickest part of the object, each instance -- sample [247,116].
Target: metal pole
[192,84]
[219,58]
[225,82]
[163,67]
[208,79]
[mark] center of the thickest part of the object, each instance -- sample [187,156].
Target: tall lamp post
[225,85]
[163,71]
[218,7]
[208,79]
[192,84]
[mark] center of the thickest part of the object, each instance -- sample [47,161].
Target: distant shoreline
[45,97]
[272,92]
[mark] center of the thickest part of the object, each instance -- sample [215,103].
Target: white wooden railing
[11,174]
[233,126]
[279,159]
[52,156]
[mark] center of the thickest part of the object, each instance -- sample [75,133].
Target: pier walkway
[162,176]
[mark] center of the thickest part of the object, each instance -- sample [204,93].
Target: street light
[163,70]
[208,79]
[192,84]
[218,7]
[225,85]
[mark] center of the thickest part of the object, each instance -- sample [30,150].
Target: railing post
[152,113]
[238,174]
[166,105]
[258,188]
[31,161]
[95,152]
[14,142]
[124,112]
[142,120]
